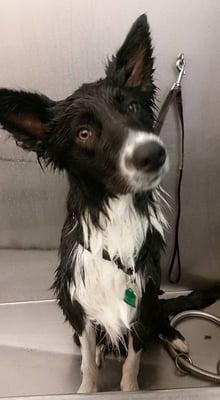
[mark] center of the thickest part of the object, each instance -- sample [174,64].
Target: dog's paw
[176,340]
[180,345]
[129,383]
[87,387]
[99,356]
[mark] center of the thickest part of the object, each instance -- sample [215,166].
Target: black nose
[149,156]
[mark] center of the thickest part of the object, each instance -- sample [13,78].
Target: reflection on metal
[8,159]
[184,362]
[218,367]
[173,394]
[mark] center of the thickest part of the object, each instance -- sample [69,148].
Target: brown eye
[84,134]
[132,108]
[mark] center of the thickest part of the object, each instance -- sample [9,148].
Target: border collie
[107,283]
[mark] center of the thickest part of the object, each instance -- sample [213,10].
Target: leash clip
[180,65]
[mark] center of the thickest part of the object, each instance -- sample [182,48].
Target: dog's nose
[149,156]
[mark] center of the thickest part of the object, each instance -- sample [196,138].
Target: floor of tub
[38,356]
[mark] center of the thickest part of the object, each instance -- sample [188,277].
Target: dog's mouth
[154,178]
[141,181]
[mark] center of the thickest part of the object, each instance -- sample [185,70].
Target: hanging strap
[175,96]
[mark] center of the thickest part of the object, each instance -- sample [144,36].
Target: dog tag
[130,297]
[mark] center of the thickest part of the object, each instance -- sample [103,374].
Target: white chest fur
[100,285]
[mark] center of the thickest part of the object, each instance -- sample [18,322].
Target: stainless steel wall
[53,46]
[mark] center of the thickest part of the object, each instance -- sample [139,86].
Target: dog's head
[103,131]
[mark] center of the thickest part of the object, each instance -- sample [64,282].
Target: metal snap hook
[180,65]
[180,62]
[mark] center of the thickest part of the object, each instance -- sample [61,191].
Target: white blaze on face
[137,179]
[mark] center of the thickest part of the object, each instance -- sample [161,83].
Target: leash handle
[175,96]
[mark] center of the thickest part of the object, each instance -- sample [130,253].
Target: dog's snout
[149,157]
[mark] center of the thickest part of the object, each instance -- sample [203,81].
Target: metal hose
[183,361]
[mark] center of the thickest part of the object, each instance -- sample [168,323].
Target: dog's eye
[132,107]
[84,134]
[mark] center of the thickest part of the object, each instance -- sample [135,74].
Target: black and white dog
[108,280]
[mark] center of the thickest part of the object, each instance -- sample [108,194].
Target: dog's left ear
[133,64]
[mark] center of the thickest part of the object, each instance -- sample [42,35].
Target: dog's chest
[121,234]
[99,284]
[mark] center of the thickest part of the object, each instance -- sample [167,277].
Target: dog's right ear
[132,66]
[27,116]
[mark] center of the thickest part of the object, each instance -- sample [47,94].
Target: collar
[129,271]
[105,255]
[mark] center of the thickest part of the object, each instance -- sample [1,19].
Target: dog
[108,280]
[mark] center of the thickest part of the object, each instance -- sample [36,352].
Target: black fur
[196,300]
[151,310]
[51,129]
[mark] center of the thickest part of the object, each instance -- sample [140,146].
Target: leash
[183,362]
[175,96]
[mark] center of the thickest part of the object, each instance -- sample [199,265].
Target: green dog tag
[130,297]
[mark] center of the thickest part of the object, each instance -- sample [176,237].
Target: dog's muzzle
[143,160]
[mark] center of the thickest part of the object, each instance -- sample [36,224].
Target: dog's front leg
[88,367]
[129,382]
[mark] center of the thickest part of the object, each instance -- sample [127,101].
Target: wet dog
[102,135]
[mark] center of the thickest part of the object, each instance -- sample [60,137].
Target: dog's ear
[133,64]
[27,116]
